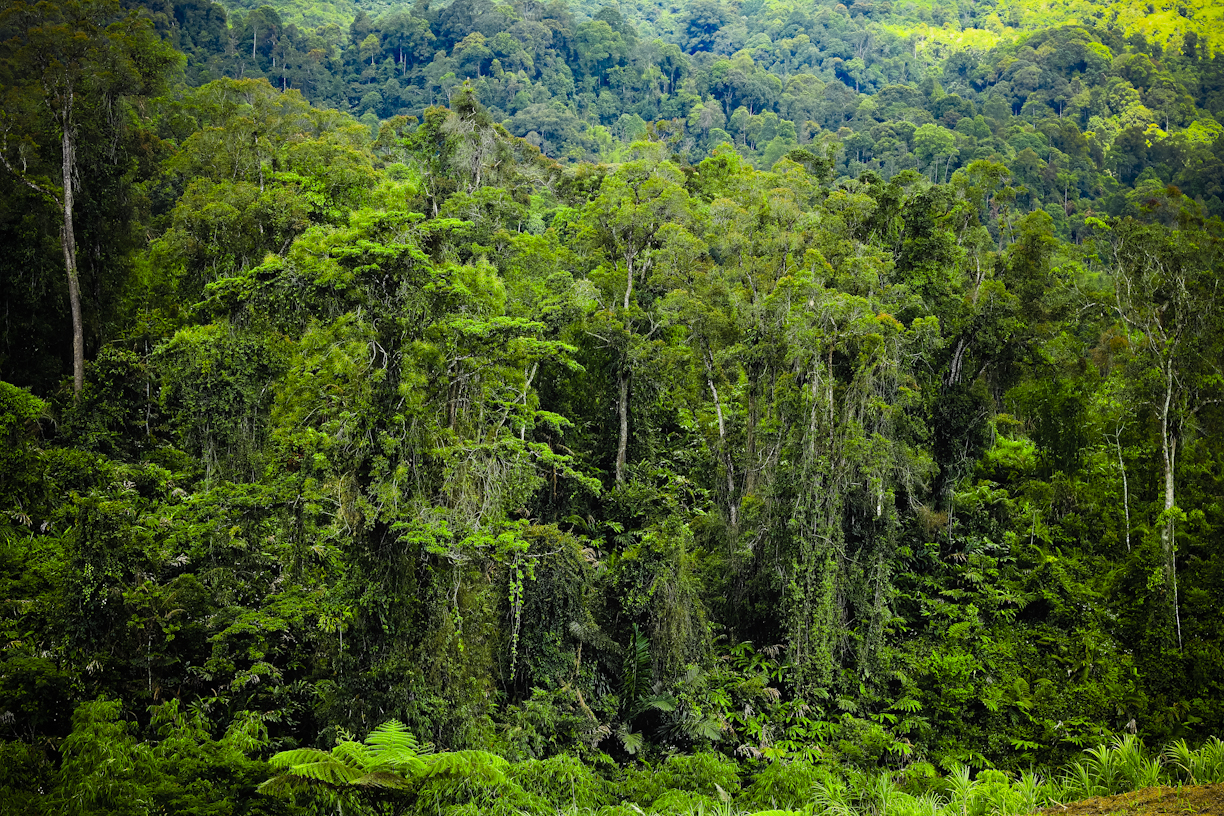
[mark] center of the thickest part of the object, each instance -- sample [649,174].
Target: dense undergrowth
[715,785]
[716,477]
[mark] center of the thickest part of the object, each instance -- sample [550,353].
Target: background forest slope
[778,394]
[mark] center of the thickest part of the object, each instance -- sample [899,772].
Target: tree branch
[21,176]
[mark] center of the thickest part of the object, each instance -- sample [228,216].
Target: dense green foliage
[826,447]
[1096,108]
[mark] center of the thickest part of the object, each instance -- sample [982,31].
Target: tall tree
[68,68]
[624,222]
[1167,296]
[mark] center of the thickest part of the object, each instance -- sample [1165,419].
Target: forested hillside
[678,407]
[1096,109]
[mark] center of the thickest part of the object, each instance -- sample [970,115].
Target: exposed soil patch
[1192,799]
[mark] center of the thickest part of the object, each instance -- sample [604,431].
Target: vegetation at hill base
[1152,802]
[609,409]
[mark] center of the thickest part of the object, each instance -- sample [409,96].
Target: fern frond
[283,784]
[355,754]
[327,771]
[393,745]
[481,767]
[297,756]
[388,779]
[393,735]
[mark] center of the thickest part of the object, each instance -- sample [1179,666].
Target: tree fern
[307,768]
[394,736]
[392,745]
[298,756]
[480,767]
[387,770]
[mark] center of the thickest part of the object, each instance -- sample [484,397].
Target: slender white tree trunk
[68,241]
[728,465]
[1125,487]
[622,408]
[1168,456]
[628,283]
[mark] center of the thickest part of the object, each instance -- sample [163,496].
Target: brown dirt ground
[1192,800]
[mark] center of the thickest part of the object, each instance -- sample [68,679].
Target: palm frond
[636,674]
[631,742]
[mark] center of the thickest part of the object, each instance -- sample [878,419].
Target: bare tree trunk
[958,360]
[1125,487]
[67,235]
[622,443]
[528,377]
[628,284]
[1168,456]
[732,504]
[68,240]
[622,381]
[750,453]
